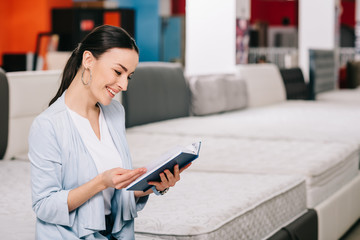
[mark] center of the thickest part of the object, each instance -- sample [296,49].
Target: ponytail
[97,42]
[69,73]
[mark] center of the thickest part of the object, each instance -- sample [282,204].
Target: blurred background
[205,36]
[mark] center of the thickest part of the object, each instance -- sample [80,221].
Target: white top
[102,151]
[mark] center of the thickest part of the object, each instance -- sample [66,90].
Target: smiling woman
[80,161]
[109,74]
[104,40]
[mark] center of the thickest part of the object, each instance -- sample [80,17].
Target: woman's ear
[88,59]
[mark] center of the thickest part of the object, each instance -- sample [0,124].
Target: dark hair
[98,41]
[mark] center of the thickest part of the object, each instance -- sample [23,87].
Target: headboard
[322,71]
[4,112]
[157,91]
[294,82]
[29,94]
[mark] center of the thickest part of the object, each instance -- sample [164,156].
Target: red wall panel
[348,13]
[178,7]
[273,12]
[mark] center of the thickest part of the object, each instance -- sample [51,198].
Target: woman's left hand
[167,178]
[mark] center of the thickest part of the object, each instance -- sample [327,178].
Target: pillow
[216,93]
[264,84]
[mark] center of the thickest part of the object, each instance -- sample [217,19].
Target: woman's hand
[167,180]
[117,178]
[120,178]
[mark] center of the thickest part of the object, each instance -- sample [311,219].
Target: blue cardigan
[60,162]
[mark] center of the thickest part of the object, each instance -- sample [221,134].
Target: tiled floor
[353,233]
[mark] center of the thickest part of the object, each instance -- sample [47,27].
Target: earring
[82,77]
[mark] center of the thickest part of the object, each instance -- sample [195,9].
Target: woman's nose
[123,83]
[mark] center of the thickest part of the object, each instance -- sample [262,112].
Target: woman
[80,160]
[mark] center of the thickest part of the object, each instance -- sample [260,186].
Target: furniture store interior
[269,87]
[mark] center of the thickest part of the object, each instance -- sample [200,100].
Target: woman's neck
[79,99]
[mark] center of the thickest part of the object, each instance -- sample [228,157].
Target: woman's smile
[111,91]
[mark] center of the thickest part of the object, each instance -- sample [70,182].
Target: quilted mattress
[223,206]
[287,120]
[325,165]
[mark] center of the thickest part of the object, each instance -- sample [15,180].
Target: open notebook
[178,155]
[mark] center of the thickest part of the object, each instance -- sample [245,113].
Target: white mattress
[287,120]
[342,96]
[223,206]
[325,165]
[17,219]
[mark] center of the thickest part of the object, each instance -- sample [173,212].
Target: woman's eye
[117,72]
[130,77]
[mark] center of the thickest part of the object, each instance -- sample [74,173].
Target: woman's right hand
[117,178]
[120,178]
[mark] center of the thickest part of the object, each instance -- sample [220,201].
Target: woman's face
[111,73]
